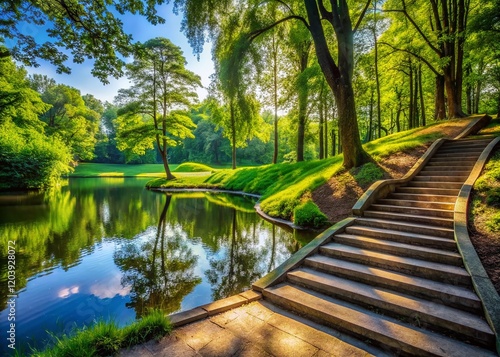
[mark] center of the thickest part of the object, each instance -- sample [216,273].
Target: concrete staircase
[395,277]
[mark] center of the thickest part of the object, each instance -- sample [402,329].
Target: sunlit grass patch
[194,167]
[119,170]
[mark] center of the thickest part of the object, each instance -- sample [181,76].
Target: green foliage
[70,119]
[193,167]
[493,223]
[106,338]
[87,29]
[309,215]
[29,159]
[368,173]
[18,102]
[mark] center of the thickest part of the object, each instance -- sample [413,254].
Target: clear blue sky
[81,77]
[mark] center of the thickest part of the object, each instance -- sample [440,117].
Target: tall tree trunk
[321,126]
[275,90]
[468,91]
[377,79]
[233,135]
[421,94]
[301,130]
[325,131]
[411,107]
[339,77]
[303,93]
[498,106]
[334,143]
[370,121]
[416,118]
[440,100]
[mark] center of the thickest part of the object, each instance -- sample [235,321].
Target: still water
[109,249]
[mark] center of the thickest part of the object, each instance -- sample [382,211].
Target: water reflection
[108,248]
[159,270]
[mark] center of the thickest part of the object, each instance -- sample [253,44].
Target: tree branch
[362,16]
[420,58]
[325,14]
[429,43]
[253,35]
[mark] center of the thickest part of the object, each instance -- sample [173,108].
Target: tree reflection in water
[160,271]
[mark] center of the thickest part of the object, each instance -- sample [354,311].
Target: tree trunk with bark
[339,76]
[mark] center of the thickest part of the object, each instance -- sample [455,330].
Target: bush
[309,215]
[493,223]
[29,159]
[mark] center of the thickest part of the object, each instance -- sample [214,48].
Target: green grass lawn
[118,170]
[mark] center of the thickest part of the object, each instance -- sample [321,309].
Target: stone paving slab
[255,329]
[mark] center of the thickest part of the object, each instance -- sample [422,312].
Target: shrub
[29,159]
[493,223]
[309,215]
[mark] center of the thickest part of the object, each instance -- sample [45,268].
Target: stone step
[403,237]
[466,143]
[430,220]
[429,270]
[455,168]
[401,249]
[460,179]
[422,197]
[452,161]
[470,148]
[435,316]
[406,227]
[428,190]
[390,333]
[445,173]
[421,211]
[450,295]
[458,155]
[435,184]
[412,203]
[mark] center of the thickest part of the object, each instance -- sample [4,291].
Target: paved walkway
[255,329]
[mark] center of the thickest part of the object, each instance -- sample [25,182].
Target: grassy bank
[285,186]
[484,215]
[106,339]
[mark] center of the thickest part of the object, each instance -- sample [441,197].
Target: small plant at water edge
[106,338]
[309,215]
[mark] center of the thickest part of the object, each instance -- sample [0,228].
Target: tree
[70,119]
[89,29]
[444,33]
[28,158]
[200,18]
[152,113]
[236,110]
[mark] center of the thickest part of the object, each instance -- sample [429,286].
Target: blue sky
[81,77]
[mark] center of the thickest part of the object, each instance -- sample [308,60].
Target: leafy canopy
[89,29]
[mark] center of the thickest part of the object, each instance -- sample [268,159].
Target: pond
[109,249]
